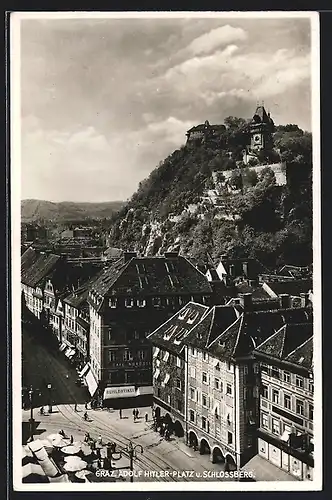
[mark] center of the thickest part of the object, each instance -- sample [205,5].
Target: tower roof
[261,116]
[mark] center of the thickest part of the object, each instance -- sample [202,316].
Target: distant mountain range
[34,210]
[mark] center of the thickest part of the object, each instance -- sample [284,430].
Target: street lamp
[131,451]
[49,387]
[31,420]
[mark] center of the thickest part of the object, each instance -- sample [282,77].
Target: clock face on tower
[257,139]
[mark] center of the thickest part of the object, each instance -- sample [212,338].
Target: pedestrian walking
[134,414]
[120,413]
[75,408]
[86,406]
[146,417]
[137,413]
[100,439]
[71,439]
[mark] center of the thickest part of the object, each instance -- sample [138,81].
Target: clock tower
[261,130]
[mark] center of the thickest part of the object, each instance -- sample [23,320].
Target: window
[141,302]
[275,372]
[287,428]
[311,412]
[265,421]
[193,372]
[156,301]
[193,352]
[178,362]
[178,384]
[168,398]
[204,426]
[192,415]
[265,391]
[246,369]
[216,383]
[287,402]
[229,366]
[204,378]
[141,355]
[287,377]
[311,385]
[192,393]
[205,357]
[275,396]
[229,389]
[256,368]
[111,355]
[136,335]
[204,400]
[275,426]
[127,356]
[265,368]
[112,302]
[299,407]
[229,438]
[129,302]
[166,356]
[299,382]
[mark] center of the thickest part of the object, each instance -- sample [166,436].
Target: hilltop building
[203,133]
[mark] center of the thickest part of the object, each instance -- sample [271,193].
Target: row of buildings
[237,380]
[204,343]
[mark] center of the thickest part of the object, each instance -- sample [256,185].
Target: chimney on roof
[246,301]
[304,299]
[129,255]
[252,283]
[284,301]
[232,270]
[223,257]
[245,269]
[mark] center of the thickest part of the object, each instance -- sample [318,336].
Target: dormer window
[183,314]
[169,332]
[141,302]
[112,302]
[156,301]
[129,302]
[192,317]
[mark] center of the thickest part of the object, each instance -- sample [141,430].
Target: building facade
[127,302]
[285,434]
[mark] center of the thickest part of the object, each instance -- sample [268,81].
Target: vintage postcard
[166,302]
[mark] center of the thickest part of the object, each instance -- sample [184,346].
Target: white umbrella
[82,473]
[61,443]
[86,449]
[71,449]
[74,464]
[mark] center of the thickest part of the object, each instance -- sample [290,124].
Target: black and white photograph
[165,240]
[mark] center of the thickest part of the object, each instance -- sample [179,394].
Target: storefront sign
[119,392]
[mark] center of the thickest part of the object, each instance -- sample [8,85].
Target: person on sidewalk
[75,408]
[146,417]
[86,406]
[120,413]
[71,439]
[137,413]
[134,414]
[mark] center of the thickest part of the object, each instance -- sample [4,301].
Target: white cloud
[217,37]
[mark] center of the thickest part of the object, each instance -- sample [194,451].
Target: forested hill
[273,223]
[35,210]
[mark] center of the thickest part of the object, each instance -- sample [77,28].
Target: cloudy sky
[104,100]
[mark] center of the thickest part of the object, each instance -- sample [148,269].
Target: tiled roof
[294,271]
[41,267]
[291,287]
[302,355]
[254,267]
[172,334]
[250,330]
[257,291]
[79,296]
[260,111]
[28,258]
[218,319]
[288,338]
[151,276]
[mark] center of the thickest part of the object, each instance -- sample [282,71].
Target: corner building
[128,301]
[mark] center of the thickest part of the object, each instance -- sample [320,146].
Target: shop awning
[63,346]
[285,436]
[91,382]
[84,371]
[69,352]
[141,391]
[156,373]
